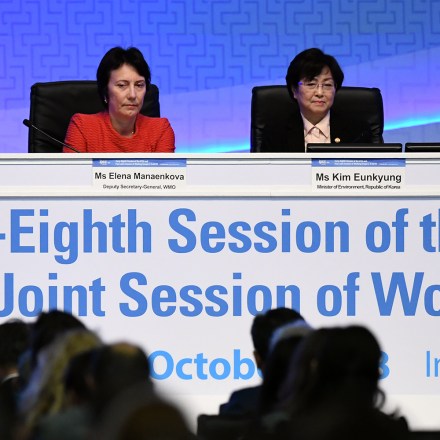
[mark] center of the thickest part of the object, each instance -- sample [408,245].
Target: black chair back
[52,104]
[425,435]
[220,427]
[273,103]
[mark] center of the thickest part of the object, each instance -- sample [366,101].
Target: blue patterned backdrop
[206,56]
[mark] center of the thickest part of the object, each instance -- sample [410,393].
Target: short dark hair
[114,59]
[346,363]
[14,341]
[115,368]
[265,324]
[308,64]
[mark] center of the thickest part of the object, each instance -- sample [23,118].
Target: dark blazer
[8,407]
[289,137]
[242,402]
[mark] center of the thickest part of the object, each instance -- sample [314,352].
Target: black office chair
[425,435]
[273,103]
[52,104]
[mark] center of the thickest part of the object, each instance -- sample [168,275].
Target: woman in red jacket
[123,78]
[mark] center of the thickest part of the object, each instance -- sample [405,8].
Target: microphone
[30,125]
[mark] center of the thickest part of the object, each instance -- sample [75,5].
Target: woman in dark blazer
[313,79]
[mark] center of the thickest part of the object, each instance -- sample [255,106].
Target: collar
[323,125]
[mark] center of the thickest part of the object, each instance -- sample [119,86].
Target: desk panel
[183,273]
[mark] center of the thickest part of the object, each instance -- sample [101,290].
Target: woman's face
[315,97]
[126,92]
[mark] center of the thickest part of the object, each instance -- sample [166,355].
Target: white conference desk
[182,271]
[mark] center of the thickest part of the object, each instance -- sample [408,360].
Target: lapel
[295,135]
[345,129]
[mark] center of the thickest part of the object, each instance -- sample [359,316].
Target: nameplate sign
[139,175]
[358,175]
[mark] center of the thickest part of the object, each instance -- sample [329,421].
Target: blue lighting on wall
[412,122]
[206,56]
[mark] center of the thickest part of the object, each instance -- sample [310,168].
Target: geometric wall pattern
[206,56]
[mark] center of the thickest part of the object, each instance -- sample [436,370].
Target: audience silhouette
[14,341]
[45,393]
[245,401]
[245,405]
[332,391]
[59,380]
